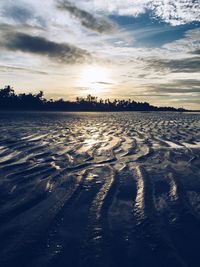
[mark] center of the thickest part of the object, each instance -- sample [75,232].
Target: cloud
[176,12]
[174,90]
[183,87]
[97,24]
[11,69]
[18,13]
[173,12]
[106,83]
[189,101]
[195,52]
[60,52]
[8,29]
[21,13]
[190,42]
[115,7]
[186,65]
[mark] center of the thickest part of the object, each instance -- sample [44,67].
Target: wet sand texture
[99,189]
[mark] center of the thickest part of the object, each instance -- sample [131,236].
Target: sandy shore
[99,189]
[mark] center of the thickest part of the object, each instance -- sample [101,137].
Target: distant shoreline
[95,111]
[9,100]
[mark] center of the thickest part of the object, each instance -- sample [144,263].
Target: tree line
[9,100]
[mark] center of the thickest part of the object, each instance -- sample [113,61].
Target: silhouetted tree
[10,100]
[6,92]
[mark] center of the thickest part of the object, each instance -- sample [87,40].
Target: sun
[95,78]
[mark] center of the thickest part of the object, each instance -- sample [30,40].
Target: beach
[99,189]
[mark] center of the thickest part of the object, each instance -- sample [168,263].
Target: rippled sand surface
[99,189]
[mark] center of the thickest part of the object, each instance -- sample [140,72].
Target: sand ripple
[99,189]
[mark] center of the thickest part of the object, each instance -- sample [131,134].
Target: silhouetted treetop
[28,101]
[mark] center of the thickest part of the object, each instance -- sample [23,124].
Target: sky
[139,49]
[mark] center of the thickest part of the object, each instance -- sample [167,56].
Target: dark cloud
[195,52]
[188,82]
[174,90]
[60,52]
[189,86]
[106,83]
[97,24]
[188,65]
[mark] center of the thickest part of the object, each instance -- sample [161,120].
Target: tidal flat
[99,189]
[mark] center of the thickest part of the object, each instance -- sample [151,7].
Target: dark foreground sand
[99,189]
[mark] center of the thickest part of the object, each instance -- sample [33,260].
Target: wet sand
[99,189]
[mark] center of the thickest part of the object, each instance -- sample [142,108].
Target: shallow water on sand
[99,189]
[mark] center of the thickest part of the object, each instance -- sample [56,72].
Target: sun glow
[95,79]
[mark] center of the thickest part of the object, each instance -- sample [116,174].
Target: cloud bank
[173,12]
[98,24]
[60,52]
[186,65]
